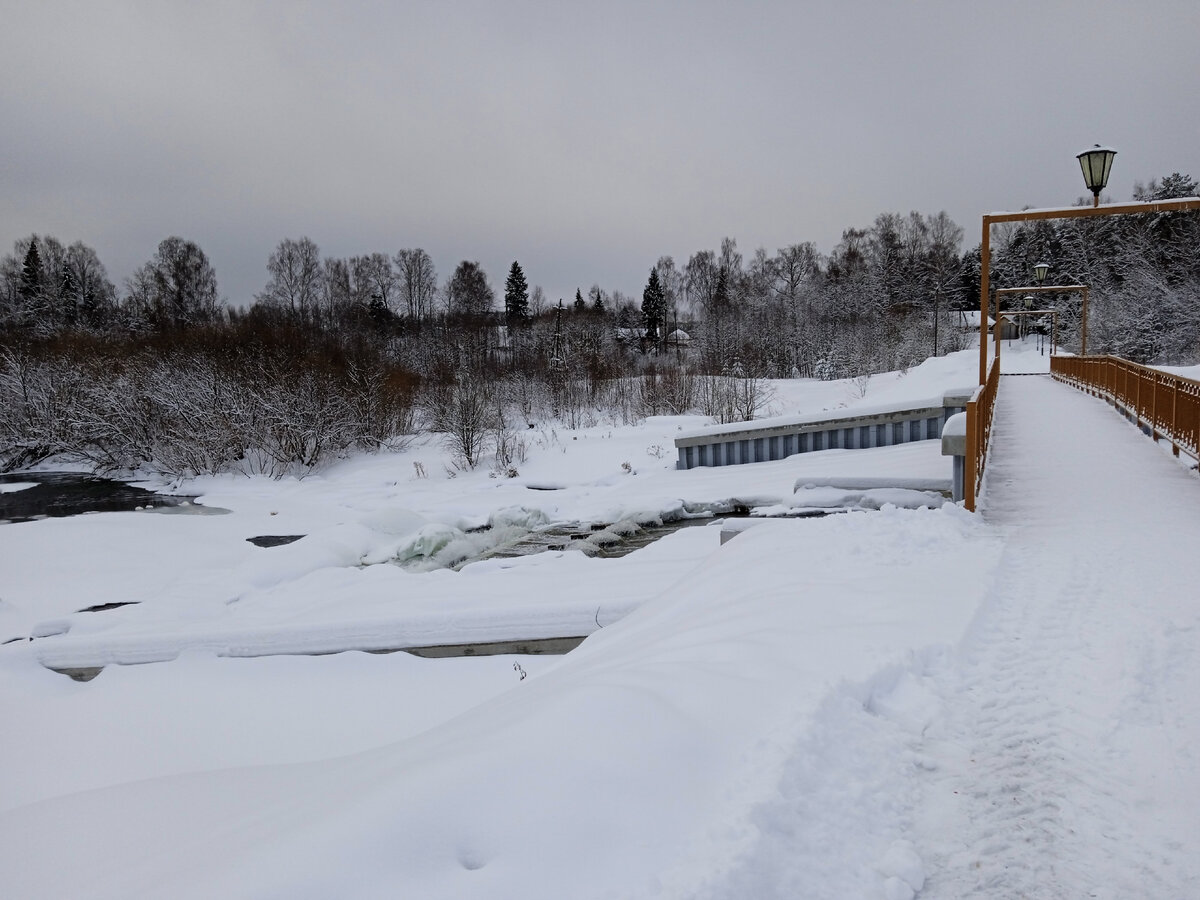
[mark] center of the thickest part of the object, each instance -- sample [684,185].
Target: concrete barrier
[770,439]
[954,443]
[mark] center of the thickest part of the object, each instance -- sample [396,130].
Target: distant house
[679,339]
[968,323]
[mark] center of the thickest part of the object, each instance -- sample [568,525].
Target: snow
[1151,206]
[956,425]
[1191,372]
[13,486]
[878,395]
[890,703]
[970,319]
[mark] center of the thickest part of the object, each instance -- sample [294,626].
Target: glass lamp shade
[1040,271]
[1096,164]
[1028,301]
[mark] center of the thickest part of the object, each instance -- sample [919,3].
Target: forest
[334,355]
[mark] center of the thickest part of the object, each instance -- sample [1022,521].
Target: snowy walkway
[1067,763]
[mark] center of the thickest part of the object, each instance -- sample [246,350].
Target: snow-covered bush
[195,404]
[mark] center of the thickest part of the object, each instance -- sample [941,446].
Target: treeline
[873,303]
[340,354]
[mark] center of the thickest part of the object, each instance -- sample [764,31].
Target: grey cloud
[584,140]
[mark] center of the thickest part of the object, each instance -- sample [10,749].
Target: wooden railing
[1167,406]
[979,431]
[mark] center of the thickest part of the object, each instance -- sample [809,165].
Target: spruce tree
[378,312]
[654,307]
[516,296]
[68,293]
[580,306]
[721,291]
[31,271]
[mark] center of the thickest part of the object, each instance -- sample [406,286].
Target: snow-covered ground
[871,704]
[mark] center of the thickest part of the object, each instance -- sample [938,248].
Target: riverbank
[614,761]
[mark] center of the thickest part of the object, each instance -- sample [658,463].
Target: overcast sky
[583,139]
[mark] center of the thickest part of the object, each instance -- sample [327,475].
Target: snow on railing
[979,431]
[1162,404]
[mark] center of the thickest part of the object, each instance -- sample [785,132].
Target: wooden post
[1175,428]
[985,259]
[996,329]
[1137,402]
[1154,408]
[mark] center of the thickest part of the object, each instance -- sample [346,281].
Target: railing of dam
[771,439]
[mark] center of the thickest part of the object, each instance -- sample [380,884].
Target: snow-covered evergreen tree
[516,296]
[69,300]
[654,307]
[32,275]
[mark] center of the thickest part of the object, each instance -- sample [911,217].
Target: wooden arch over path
[1185,204]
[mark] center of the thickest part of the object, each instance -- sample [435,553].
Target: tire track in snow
[1062,701]
[1011,770]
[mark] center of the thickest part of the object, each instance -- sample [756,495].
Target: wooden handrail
[1166,405]
[979,431]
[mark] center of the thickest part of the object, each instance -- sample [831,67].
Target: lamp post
[1040,270]
[1096,164]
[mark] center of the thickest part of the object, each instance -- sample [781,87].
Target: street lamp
[1039,275]
[1096,164]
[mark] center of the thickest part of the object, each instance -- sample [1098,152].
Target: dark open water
[60,494]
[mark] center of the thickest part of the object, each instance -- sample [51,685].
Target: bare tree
[537,301]
[296,278]
[468,293]
[943,267]
[338,296]
[700,279]
[182,283]
[418,283]
[671,280]
[96,294]
[375,278]
[464,413]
